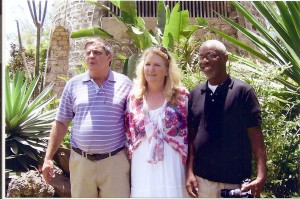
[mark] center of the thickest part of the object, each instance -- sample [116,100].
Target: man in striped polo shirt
[95,101]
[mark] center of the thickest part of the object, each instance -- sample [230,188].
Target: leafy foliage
[278,45]
[16,63]
[173,27]
[283,140]
[281,132]
[188,57]
[27,122]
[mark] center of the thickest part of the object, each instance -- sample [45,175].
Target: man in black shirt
[224,130]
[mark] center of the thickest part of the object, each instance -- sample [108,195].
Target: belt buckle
[84,154]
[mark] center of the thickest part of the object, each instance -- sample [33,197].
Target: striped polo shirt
[97,112]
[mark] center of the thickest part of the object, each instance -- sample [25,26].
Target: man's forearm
[191,181]
[58,132]
[190,160]
[191,152]
[261,158]
[259,151]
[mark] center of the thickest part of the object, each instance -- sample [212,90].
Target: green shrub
[280,129]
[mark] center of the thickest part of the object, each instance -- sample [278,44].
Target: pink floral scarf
[170,125]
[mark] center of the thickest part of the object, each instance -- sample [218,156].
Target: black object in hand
[237,193]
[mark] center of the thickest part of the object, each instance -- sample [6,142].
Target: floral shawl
[175,124]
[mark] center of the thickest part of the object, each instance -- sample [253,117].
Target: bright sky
[13,10]
[16,10]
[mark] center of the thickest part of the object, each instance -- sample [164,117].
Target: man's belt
[94,157]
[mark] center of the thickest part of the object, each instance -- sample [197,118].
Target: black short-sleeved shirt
[223,151]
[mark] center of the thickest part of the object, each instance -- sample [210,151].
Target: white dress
[165,178]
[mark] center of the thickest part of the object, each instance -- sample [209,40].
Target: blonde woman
[156,121]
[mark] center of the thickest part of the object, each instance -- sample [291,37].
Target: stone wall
[246,24]
[66,54]
[57,59]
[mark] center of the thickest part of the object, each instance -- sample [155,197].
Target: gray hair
[105,45]
[217,45]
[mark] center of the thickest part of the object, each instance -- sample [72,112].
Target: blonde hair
[172,81]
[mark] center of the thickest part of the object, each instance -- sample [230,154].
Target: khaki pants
[209,189]
[104,178]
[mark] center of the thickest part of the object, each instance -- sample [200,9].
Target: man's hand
[58,132]
[47,171]
[256,187]
[192,186]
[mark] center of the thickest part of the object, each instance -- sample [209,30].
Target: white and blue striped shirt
[97,112]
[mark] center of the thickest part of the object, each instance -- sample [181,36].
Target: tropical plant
[38,22]
[27,122]
[282,138]
[22,52]
[281,133]
[187,49]
[188,57]
[172,27]
[277,45]
[15,63]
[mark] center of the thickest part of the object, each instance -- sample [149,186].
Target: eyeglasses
[164,50]
[209,57]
